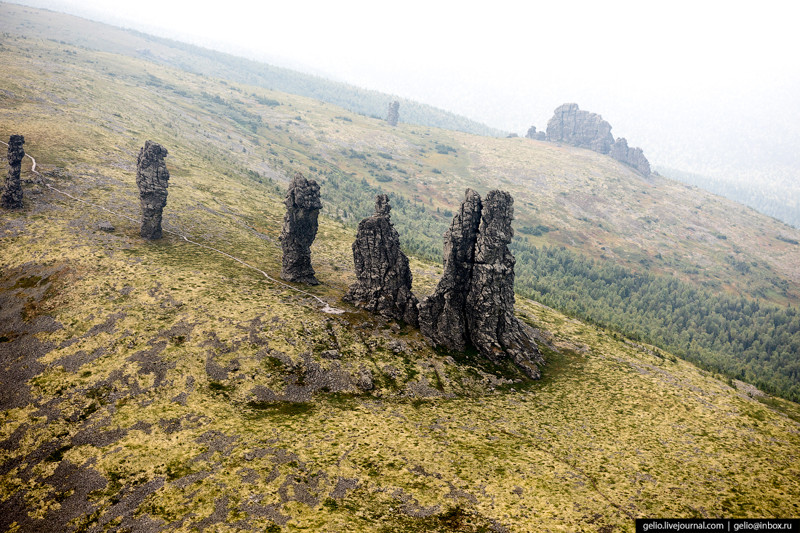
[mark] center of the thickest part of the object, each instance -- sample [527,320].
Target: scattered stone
[383,275]
[393,115]
[473,304]
[299,230]
[106,226]
[152,178]
[11,197]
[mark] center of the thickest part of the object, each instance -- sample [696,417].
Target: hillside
[715,282]
[162,386]
[96,36]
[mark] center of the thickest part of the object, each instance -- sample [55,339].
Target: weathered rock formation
[11,197]
[588,130]
[535,135]
[393,116]
[152,178]
[383,283]
[630,156]
[443,319]
[299,230]
[580,128]
[473,305]
[493,328]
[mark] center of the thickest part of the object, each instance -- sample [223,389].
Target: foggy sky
[710,87]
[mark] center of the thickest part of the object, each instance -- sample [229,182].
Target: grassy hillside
[95,36]
[713,281]
[159,386]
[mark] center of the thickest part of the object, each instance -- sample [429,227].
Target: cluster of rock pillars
[472,306]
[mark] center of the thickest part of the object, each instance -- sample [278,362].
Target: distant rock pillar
[383,275]
[299,230]
[11,197]
[393,116]
[152,178]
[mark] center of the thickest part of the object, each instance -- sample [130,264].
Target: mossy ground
[149,386]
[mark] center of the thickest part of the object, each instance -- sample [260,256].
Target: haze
[705,87]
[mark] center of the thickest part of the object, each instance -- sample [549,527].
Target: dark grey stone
[152,178]
[383,275]
[11,197]
[299,230]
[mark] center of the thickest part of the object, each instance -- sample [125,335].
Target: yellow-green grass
[614,430]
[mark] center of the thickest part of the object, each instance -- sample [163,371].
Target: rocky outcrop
[152,178]
[299,230]
[535,135]
[580,128]
[493,328]
[630,156]
[588,130]
[383,283]
[393,115]
[11,197]
[473,304]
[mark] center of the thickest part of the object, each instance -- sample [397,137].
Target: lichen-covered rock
[493,328]
[383,276]
[573,126]
[473,305]
[393,115]
[443,321]
[11,197]
[630,156]
[152,178]
[299,230]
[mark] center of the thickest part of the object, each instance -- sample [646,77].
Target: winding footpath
[326,307]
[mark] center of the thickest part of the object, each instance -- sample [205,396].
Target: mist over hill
[177,385]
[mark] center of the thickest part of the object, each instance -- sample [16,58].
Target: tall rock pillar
[299,230]
[11,197]
[152,178]
[384,278]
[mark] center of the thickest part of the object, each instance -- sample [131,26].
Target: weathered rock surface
[535,135]
[443,320]
[630,156]
[152,178]
[588,130]
[493,328]
[393,115]
[299,230]
[11,197]
[574,126]
[473,304]
[384,278]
